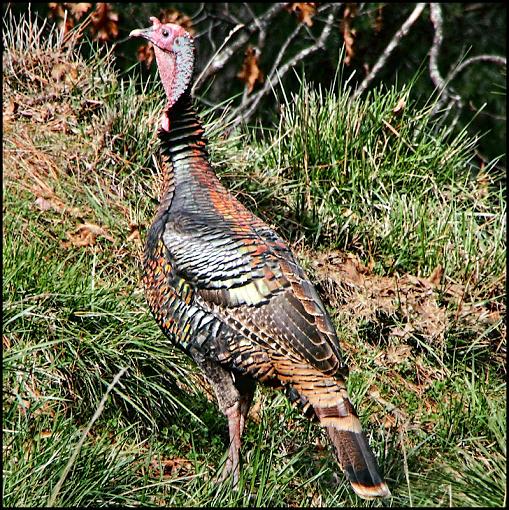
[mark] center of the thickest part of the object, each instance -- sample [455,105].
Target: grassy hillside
[403,235]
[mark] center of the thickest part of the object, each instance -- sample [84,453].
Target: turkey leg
[234,395]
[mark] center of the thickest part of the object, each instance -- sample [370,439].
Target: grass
[380,182]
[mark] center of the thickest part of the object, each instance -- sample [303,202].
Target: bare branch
[201,77]
[248,100]
[218,61]
[244,112]
[389,49]
[494,59]
[447,93]
[441,84]
[438,37]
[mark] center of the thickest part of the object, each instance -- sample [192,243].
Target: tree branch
[494,59]
[447,93]
[389,49]
[218,61]
[441,84]
[245,111]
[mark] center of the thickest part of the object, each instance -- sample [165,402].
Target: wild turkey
[224,287]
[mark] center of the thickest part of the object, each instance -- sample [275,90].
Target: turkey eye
[165,33]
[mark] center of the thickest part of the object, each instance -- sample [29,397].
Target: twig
[436,19]
[262,28]
[218,61]
[99,410]
[244,112]
[205,73]
[389,49]
[494,59]
[445,92]
[248,100]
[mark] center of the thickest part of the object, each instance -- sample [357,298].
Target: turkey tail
[352,449]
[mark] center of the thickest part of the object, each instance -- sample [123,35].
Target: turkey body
[225,287]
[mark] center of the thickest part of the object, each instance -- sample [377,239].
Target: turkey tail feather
[358,463]
[353,451]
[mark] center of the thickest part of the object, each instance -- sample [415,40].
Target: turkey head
[174,51]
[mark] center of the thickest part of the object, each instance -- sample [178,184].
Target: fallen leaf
[435,276]
[169,467]
[12,108]
[255,412]
[86,235]
[354,291]
[348,32]
[43,204]
[57,11]
[66,73]
[304,10]
[135,234]
[389,421]
[398,354]
[250,72]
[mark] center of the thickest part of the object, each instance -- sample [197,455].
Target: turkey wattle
[225,287]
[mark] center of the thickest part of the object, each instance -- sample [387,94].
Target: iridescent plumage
[226,288]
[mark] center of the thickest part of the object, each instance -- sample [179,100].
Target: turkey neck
[185,165]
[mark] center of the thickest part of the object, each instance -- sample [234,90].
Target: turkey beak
[146,33]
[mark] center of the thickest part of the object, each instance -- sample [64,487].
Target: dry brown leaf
[47,200]
[57,11]
[379,22]
[178,18]
[353,290]
[436,276]
[402,333]
[78,9]
[250,72]
[69,11]
[389,421]
[86,235]
[398,354]
[65,72]
[43,204]
[170,467]
[255,413]
[11,110]
[134,235]
[348,32]
[104,22]
[145,53]
[304,10]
